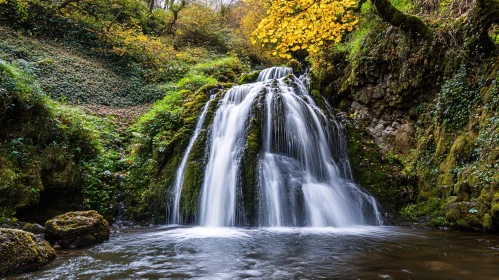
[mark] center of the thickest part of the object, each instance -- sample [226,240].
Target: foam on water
[206,232]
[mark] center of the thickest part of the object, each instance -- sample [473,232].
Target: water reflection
[281,253]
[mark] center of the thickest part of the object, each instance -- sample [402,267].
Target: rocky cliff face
[431,117]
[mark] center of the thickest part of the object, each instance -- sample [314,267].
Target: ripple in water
[281,253]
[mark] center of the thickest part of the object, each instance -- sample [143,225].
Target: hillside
[100,99]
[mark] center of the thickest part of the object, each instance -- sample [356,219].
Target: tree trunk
[409,23]
[172,23]
[474,31]
[151,5]
[175,10]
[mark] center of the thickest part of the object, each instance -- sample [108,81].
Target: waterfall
[302,168]
[179,176]
[218,200]
[273,73]
[299,156]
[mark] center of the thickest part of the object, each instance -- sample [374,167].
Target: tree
[304,25]
[174,7]
[292,25]
[409,23]
[151,4]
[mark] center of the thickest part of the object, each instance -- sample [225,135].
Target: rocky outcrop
[29,227]
[22,251]
[247,78]
[77,229]
[34,228]
[424,122]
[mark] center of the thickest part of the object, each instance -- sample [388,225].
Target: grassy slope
[73,76]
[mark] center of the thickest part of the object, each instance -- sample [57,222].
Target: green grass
[353,41]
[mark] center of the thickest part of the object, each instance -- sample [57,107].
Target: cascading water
[298,156]
[302,167]
[179,176]
[218,200]
[273,73]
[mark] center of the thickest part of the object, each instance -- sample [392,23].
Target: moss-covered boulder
[77,229]
[34,228]
[22,251]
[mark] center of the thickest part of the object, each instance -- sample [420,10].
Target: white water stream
[179,176]
[303,170]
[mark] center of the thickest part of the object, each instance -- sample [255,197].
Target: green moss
[77,229]
[495,206]
[460,215]
[247,78]
[196,163]
[21,251]
[194,172]
[487,221]
[249,163]
[193,179]
[378,174]
[50,148]
[224,69]
[194,81]
[162,136]
[409,23]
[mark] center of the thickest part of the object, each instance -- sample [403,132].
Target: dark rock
[77,229]
[22,251]
[34,228]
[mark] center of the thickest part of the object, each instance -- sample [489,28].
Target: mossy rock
[247,78]
[34,228]
[77,229]
[379,174]
[465,216]
[22,251]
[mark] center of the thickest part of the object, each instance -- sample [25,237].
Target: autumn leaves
[304,24]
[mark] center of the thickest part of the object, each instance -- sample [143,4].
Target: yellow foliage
[154,51]
[247,14]
[291,25]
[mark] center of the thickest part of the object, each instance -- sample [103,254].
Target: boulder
[22,251]
[34,228]
[77,229]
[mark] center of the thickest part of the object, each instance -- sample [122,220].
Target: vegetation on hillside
[99,98]
[87,70]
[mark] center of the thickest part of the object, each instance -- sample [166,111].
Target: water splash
[273,73]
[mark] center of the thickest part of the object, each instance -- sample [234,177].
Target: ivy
[455,101]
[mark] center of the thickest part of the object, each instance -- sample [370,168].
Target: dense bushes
[45,146]
[114,53]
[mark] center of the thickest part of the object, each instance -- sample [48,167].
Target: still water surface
[281,253]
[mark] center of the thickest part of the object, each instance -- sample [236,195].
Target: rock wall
[425,120]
